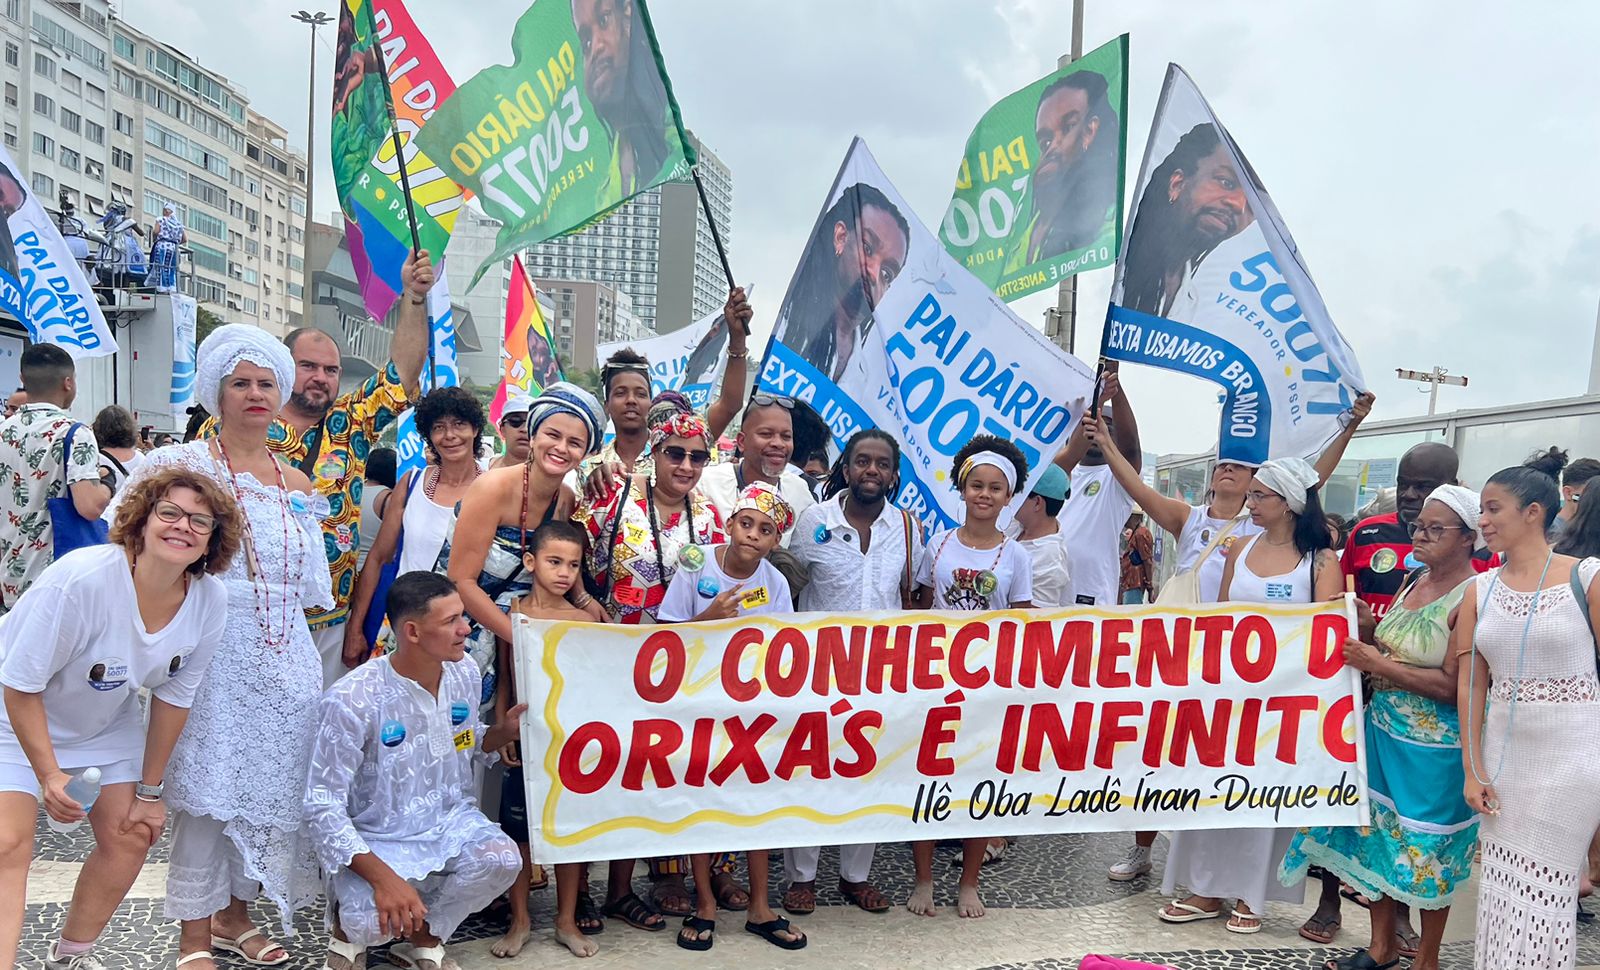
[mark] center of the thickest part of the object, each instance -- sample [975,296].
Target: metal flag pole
[716,237]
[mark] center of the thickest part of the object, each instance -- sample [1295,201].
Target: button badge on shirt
[458,712]
[692,557]
[108,674]
[392,734]
[708,587]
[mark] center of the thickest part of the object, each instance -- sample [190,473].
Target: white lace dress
[1543,746]
[237,777]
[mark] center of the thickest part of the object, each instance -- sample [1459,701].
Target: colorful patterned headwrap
[679,425]
[564,398]
[666,404]
[764,498]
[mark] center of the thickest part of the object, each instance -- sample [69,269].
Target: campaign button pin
[392,733]
[458,712]
[708,588]
[822,534]
[692,557]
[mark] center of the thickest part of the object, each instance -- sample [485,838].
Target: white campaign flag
[41,284]
[184,320]
[688,361]
[1210,283]
[888,330]
[445,372]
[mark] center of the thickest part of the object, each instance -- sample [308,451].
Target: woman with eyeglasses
[1420,845]
[145,612]
[1288,561]
[1530,719]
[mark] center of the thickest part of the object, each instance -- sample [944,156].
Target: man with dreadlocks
[859,553]
[1193,203]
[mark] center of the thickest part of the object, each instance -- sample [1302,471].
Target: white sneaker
[82,961]
[1134,864]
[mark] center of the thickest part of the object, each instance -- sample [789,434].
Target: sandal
[1409,941]
[1320,930]
[1354,895]
[728,892]
[801,899]
[236,947]
[771,928]
[1187,912]
[633,911]
[541,878]
[1359,960]
[588,917]
[1243,928]
[863,895]
[670,896]
[344,956]
[693,926]
[196,955]
[409,957]
[995,850]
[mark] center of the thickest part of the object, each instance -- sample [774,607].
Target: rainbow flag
[365,169]
[528,357]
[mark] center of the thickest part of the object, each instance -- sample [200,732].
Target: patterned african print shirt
[646,465]
[32,471]
[624,552]
[352,426]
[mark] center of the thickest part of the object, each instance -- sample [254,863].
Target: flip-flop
[1408,944]
[699,926]
[634,911]
[1355,896]
[1359,960]
[235,946]
[769,931]
[1243,930]
[1188,913]
[1330,929]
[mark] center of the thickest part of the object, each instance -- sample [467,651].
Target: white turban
[1463,502]
[231,344]
[1290,477]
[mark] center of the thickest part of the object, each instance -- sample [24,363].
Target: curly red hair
[138,503]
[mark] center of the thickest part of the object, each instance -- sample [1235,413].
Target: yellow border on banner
[557,630]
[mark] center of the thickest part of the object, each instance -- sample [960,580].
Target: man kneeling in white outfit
[391,801]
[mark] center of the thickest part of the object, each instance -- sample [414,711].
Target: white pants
[855,862]
[330,646]
[206,871]
[472,880]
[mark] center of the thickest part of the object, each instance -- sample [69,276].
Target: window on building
[11,95]
[208,291]
[96,95]
[70,159]
[121,160]
[296,263]
[60,37]
[250,306]
[154,201]
[71,83]
[123,123]
[43,106]
[94,133]
[44,185]
[13,54]
[95,170]
[295,290]
[205,222]
[44,66]
[11,135]
[72,121]
[126,83]
[269,250]
[44,145]
[251,276]
[251,247]
[208,258]
[124,47]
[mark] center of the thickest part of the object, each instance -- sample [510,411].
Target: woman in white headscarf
[1423,837]
[1289,561]
[237,776]
[169,235]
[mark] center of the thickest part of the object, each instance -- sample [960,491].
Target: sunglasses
[515,420]
[676,455]
[767,400]
[200,522]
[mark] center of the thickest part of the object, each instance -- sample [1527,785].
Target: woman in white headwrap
[1420,846]
[1289,561]
[237,776]
[169,235]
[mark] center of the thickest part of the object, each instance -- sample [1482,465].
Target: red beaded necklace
[262,588]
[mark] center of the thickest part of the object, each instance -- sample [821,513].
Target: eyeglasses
[1258,496]
[515,420]
[767,400]
[1434,532]
[676,455]
[200,522]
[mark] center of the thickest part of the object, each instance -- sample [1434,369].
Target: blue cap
[1054,483]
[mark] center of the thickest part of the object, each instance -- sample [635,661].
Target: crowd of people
[301,661]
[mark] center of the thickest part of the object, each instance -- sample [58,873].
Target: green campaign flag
[1038,195]
[580,122]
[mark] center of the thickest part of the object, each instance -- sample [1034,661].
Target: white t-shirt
[1052,579]
[76,637]
[692,590]
[1198,531]
[1092,522]
[719,483]
[958,574]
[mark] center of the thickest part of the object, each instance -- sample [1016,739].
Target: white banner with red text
[823,729]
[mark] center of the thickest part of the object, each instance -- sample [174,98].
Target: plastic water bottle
[83,789]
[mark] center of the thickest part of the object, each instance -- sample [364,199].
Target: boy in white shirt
[391,799]
[1043,539]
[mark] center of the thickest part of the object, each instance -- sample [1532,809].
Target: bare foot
[921,901]
[580,945]
[515,939]
[968,904]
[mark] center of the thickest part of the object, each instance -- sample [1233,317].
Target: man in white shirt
[1092,520]
[766,440]
[858,552]
[1041,535]
[391,799]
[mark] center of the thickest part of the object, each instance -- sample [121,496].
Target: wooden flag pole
[716,237]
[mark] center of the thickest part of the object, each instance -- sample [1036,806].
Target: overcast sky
[1435,162]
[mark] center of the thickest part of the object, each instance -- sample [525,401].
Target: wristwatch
[148,793]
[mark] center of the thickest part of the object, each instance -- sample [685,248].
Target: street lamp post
[314,20]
